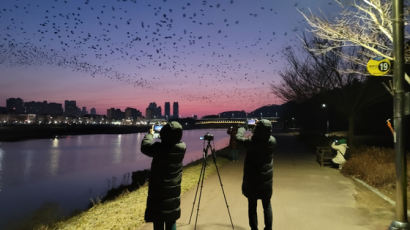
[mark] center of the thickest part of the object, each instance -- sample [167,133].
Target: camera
[251,122]
[157,128]
[207,137]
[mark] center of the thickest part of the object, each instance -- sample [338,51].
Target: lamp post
[324,107]
[400,222]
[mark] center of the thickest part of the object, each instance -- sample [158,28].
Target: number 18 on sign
[378,66]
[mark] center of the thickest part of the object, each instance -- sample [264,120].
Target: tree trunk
[350,131]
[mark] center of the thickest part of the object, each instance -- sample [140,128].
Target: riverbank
[26,132]
[127,210]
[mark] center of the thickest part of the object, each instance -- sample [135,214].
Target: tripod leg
[197,186]
[220,182]
[200,192]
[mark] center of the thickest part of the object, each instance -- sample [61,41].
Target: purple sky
[210,56]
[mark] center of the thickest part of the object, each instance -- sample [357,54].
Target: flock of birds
[209,44]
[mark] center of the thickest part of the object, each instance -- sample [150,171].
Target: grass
[375,166]
[127,210]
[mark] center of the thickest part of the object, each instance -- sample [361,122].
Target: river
[67,173]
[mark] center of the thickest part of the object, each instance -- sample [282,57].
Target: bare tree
[364,23]
[310,74]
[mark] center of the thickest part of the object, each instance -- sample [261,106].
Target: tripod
[202,177]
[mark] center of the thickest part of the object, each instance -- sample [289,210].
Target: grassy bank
[127,210]
[375,166]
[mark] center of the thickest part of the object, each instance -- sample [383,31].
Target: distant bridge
[231,121]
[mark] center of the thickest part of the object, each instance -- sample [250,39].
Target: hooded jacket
[164,189]
[340,147]
[258,165]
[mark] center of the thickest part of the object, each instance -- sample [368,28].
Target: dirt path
[305,196]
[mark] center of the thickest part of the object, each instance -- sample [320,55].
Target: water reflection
[54,161]
[55,143]
[1,159]
[79,140]
[1,169]
[28,162]
[54,156]
[117,150]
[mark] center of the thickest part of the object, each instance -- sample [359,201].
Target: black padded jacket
[164,189]
[258,166]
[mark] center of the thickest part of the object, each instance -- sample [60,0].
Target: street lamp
[324,106]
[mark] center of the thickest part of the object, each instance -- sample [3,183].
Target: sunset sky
[210,56]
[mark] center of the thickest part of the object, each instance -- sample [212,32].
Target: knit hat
[341,141]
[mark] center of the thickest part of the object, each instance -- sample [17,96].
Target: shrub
[374,165]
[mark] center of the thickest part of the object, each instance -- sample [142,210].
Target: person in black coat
[164,189]
[232,143]
[258,170]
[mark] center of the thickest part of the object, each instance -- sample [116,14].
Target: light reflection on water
[117,150]
[1,169]
[71,170]
[54,161]
[55,143]
[28,163]
[54,157]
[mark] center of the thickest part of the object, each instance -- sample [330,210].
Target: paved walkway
[305,196]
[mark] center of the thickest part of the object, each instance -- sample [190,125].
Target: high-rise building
[43,108]
[115,114]
[54,109]
[15,105]
[84,111]
[167,112]
[110,113]
[159,112]
[148,113]
[71,109]
[175,110]
[34,107]
[153,111]
[131,113]
[93,111]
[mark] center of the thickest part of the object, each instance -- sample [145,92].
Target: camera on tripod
[207,137]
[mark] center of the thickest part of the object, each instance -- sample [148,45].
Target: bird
[185,40]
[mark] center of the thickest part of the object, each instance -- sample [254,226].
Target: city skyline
[70,108]
[210,56]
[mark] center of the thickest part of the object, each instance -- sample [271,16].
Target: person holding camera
[258,170]
[340,146]
[164,188]
[232,143]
